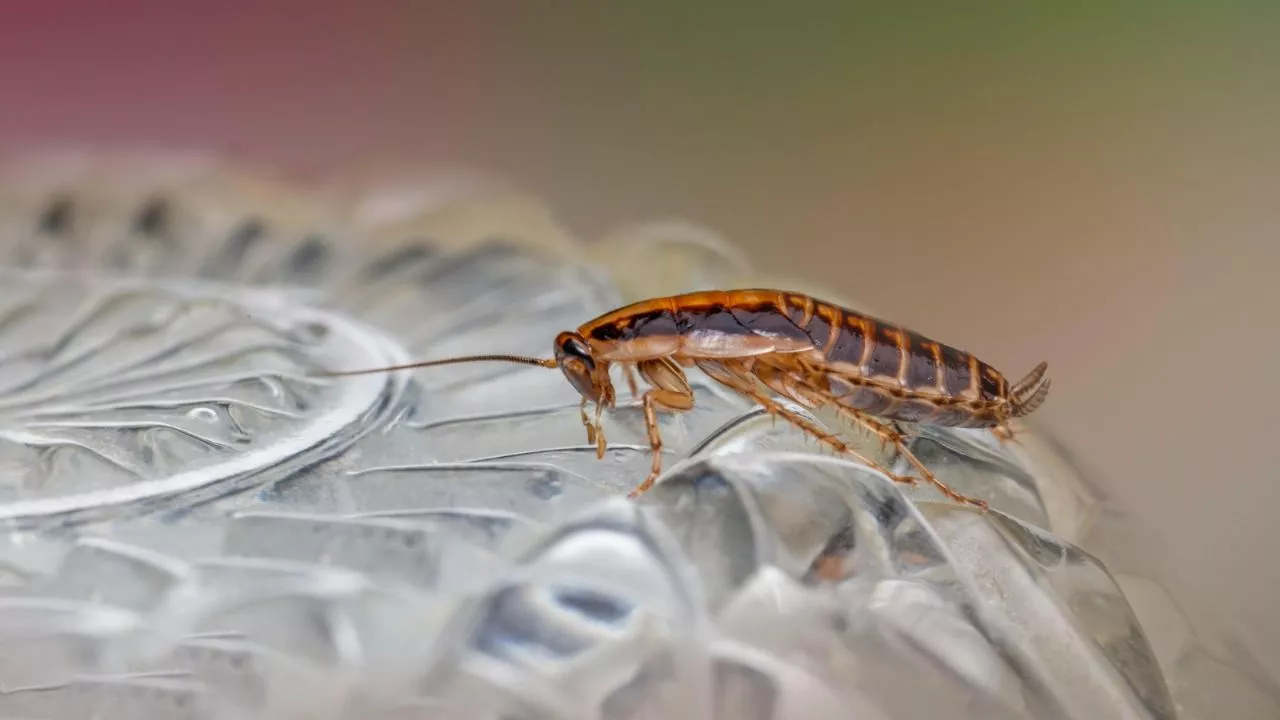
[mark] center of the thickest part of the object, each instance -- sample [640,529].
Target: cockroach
[814,353]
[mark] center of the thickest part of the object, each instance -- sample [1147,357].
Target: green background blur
[1093,185]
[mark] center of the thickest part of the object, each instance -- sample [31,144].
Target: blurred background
[1095,187]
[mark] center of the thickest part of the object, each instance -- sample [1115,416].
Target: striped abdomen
[865,363]
[890,371]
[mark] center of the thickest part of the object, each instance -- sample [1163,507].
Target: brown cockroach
[814,353]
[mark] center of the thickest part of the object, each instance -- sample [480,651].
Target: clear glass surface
[197,527]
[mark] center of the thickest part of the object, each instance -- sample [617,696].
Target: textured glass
[198,527]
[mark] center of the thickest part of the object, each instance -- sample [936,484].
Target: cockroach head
[573,356]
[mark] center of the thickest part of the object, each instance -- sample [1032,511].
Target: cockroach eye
[575,371]
[570,346]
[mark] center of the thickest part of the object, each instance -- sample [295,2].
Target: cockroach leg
[888,436]
[1004,434]
[900,443]
[595,435]
[782,382]
[790,385]
[738,380]
[600,441]
[586,421]
[629,372]
[653,399]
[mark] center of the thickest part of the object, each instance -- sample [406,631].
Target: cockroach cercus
[811,352]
